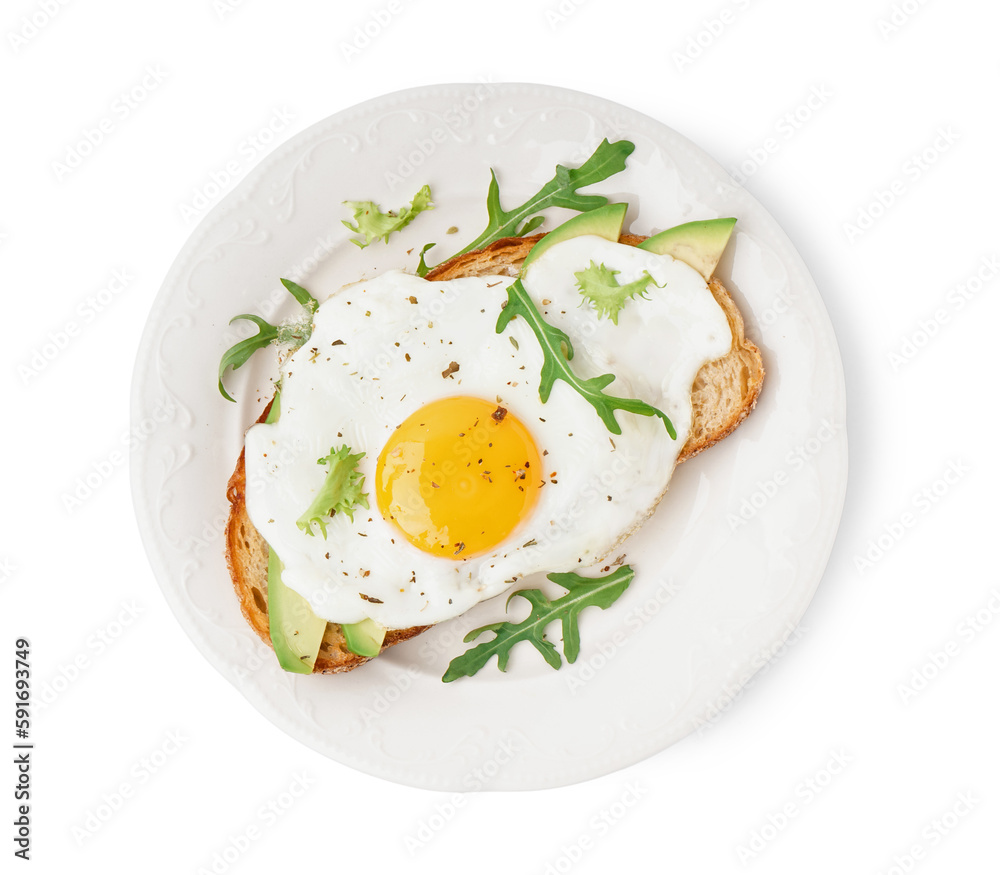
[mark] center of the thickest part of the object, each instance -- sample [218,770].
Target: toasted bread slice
[723,394]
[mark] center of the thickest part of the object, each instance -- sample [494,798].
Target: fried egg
[472,482]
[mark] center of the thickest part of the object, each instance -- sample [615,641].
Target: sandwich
[515,410]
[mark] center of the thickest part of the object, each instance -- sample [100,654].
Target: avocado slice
[296,632]
[275,411]
[365,637]
[699,244]
[604,222]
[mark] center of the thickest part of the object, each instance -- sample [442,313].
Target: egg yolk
[458,476]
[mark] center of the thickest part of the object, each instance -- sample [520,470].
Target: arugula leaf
[422,267]
[301,295]
[238,354]
[291,333]
[560,191]
[598,285]
[583,592]
[341,492]
[558,352]
[373,224]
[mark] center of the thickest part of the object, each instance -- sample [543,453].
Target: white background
[869,746]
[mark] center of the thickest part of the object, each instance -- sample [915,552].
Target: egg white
[378,352]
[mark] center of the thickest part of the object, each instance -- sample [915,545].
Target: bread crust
[722,396]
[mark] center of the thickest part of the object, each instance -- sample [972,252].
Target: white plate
[726,567]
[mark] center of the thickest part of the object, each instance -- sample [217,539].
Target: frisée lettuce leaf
[599,285]
[372,224]
[340,493]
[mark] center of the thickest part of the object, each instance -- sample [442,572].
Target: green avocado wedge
[698,244]
[365,637]
[296,632]
[603,222]
[275,410]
